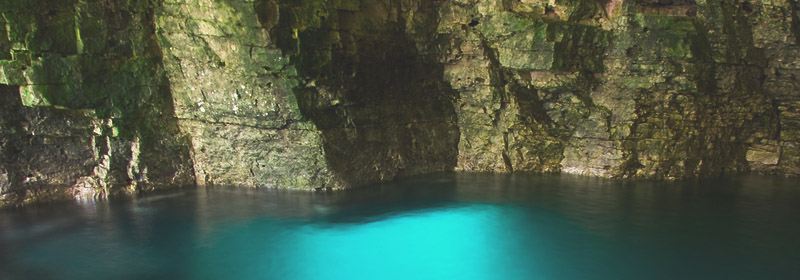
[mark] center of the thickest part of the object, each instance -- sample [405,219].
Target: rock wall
[107,97]
[233,96]
[372,84]
[649,89]
[87,110]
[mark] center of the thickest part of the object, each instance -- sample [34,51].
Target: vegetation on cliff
[105,97]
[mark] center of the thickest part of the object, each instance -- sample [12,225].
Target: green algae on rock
[90,79]
[330,94]
[232,90]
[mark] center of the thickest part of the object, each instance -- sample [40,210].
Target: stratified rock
[650,89]
[91,112]
[232,90]
[115,96]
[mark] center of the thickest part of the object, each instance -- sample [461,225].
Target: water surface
[445,226]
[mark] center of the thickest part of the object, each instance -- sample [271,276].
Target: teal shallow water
[446,226]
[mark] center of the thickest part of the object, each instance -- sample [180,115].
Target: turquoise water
[446,226]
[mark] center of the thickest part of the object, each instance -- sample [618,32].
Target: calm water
[450,226]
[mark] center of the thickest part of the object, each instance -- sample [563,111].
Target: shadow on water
[450,225]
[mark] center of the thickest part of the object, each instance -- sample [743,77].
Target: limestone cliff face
[233,94]
[653,89]
[86,106]
[104,97]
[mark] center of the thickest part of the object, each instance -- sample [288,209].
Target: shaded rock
[115,96]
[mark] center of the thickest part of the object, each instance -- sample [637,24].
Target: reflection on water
[446,226]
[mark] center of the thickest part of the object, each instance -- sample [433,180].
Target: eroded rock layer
[103,97]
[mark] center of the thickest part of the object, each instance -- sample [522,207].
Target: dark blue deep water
[447,226]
